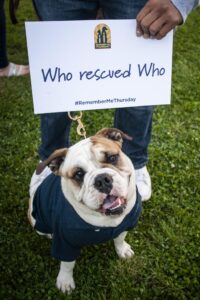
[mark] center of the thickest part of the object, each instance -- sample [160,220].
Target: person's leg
[3,53]
[121,9]
[7,68]
[135,121]
[55,128]
[66,10]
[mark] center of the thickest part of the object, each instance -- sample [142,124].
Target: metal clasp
[80,128]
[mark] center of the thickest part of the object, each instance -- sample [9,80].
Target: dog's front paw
[124,251]
[65,282]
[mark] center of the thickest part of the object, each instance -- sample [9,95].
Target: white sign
[84,65]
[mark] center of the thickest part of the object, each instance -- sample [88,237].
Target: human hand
[157,18]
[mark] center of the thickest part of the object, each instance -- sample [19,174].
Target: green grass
[166,240]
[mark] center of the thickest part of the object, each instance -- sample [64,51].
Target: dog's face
[95,172]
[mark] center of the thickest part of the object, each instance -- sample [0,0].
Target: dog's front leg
[65,280]
[122,248]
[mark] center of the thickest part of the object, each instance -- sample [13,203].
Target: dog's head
[95,172]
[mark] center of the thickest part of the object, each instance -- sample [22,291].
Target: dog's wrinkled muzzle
[113,205]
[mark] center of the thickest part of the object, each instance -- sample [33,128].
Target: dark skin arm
[157,18]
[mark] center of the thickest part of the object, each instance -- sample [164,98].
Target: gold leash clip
[80,128]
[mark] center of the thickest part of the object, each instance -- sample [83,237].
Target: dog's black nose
[103,183]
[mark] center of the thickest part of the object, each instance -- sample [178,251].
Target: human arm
[157,18]
[185,6]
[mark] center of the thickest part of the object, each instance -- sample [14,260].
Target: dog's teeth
[115,207]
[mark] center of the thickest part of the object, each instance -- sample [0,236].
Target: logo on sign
[102,37]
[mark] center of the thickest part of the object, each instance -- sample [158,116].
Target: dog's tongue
[113,205]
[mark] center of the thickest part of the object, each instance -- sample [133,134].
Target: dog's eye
[79,174]
[112,158]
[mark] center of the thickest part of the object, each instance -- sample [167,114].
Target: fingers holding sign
[157,18]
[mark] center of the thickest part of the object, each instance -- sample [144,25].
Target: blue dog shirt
[55,215]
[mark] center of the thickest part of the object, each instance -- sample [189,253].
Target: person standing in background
[7,68]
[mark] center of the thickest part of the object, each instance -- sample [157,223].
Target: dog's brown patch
[114,134]
[106,144]
[53,161]
[102,146]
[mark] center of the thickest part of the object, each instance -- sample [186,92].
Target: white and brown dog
[92,200]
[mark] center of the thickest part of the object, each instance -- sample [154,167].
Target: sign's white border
[69,74]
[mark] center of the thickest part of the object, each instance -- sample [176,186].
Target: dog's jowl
[85,195]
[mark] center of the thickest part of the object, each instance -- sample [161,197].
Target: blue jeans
[135,121]
[3,51]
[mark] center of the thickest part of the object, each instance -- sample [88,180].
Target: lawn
[166,240]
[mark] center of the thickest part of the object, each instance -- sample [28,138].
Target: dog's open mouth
[113,205]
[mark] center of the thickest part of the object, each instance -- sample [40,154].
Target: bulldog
[89,197]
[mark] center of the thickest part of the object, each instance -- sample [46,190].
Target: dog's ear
[114,134]
[54,161]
